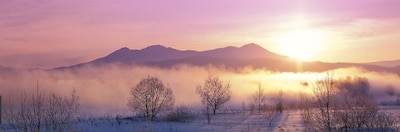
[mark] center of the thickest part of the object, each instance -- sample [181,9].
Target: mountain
[248,51]
[392,63]
[151,53]
[231,57]
[159,53]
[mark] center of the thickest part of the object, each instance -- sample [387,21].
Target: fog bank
[106,89]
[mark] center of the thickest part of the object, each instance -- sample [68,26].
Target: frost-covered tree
[150,97]
[214,93]
[259,98]
[39,113]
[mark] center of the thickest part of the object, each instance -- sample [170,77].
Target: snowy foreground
[288,121]
[232,122]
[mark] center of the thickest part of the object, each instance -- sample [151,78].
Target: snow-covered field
[288,121]
[233,122]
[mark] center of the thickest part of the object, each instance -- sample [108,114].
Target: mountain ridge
[389,63]
[162,53]
[251,55]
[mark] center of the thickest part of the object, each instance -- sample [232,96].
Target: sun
[301,44]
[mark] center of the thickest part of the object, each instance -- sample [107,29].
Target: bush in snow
[181,114]
[39,113]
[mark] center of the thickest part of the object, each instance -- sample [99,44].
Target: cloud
[366,28]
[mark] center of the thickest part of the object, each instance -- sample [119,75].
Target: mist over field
[106,89]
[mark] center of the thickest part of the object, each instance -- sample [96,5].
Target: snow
[233,122]
[289,120]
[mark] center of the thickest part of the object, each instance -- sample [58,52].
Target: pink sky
[52,33]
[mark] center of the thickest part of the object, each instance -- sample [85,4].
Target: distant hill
[392,63]
[230,57]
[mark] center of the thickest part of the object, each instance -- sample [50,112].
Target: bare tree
[38,109]
[360,113]
[305,108]
[55,113]
[259,98]
[214,93]
[17,114]
[333,110]
[60,112]
[150,97]
[279,102]
[207,113]
[324,99]
[324,93]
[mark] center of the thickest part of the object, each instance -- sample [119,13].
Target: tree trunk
[215,109]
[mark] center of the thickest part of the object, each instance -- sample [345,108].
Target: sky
[54,33]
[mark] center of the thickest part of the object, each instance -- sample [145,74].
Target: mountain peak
[254,48]
[155,47]
[123,49]
[251,46]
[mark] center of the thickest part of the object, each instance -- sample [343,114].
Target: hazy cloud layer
[106,89]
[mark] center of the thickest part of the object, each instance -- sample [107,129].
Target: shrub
[181,114]
[349,111]
[38,113]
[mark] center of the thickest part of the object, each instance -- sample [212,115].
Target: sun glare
[301,44]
